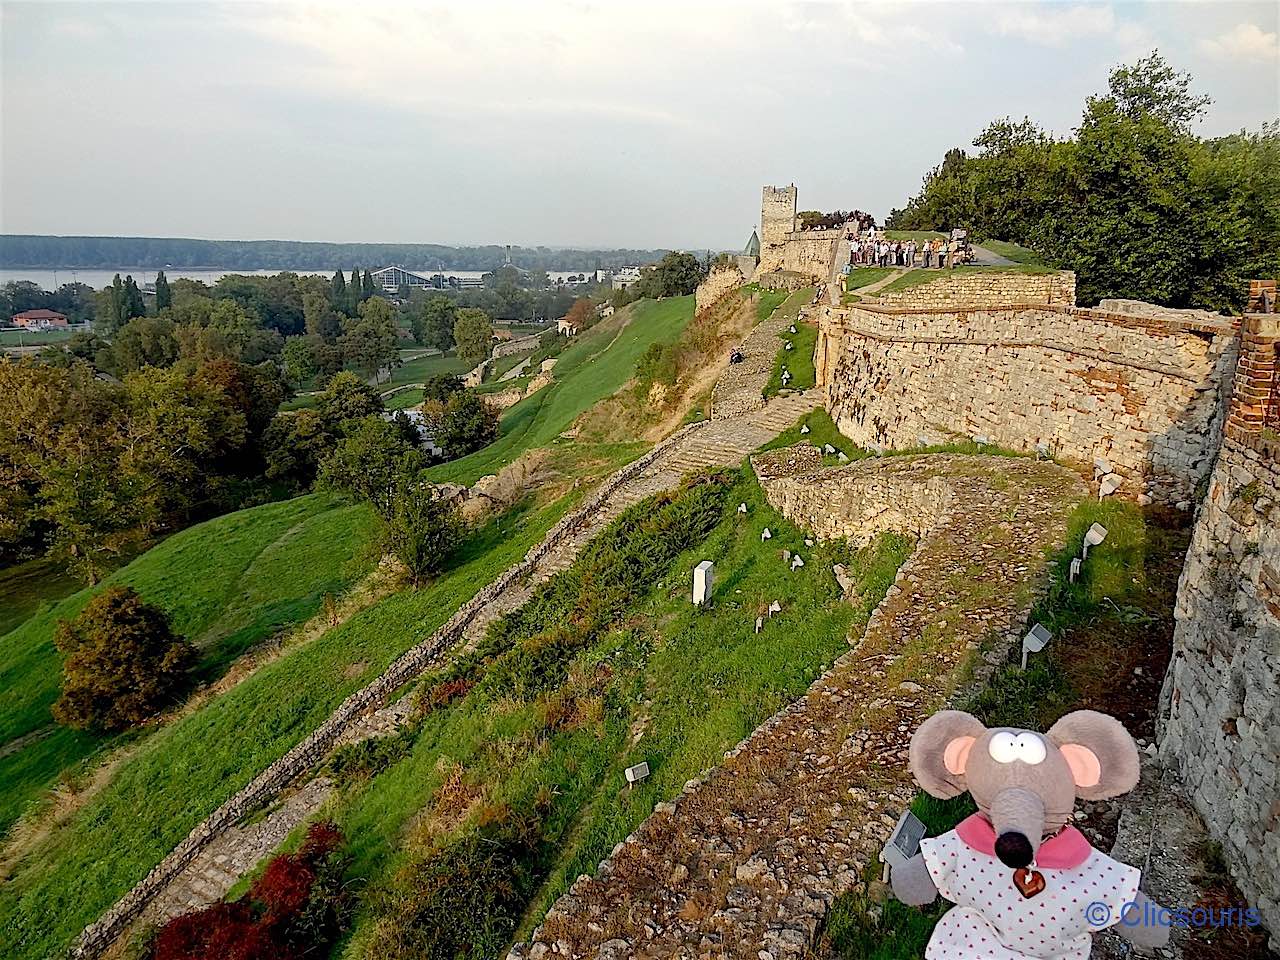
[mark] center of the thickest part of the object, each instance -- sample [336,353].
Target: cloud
[1055,26]
[1245,41]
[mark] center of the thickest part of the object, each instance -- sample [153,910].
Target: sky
[597,124]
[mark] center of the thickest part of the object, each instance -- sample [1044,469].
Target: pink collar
[1065,851]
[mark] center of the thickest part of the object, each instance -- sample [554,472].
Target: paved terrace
[747,861]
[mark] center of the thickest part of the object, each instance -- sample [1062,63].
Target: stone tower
[777,214]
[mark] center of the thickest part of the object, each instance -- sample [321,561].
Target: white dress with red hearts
[1085,891]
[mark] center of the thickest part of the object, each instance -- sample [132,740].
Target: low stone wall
[1146,392]
[308,754]
[782,280]
[1220,718]
[719,283]
[859,501]
[508,348]
[986,288]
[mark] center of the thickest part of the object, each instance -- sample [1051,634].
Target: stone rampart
[985,288]
[1144,391]
[1220,716]
[509,348]
[808,252]
[782,280]
[313,748]
[719,283]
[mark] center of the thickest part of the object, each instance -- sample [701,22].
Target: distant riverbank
[51,279]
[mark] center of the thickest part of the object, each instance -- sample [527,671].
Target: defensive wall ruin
[1140,389]
[1220,710]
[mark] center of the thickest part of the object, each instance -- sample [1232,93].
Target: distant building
[625,277]
[391,279]
[39,319]
[565,326]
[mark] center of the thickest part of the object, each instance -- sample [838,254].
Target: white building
[625,277]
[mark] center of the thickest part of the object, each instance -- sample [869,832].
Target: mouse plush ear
[1102,756]
[940,752]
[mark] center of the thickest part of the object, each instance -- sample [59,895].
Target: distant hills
[22,251]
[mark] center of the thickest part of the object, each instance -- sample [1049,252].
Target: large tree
[473,333]
[433,321]
[164,297]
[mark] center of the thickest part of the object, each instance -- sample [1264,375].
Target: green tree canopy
[473,333]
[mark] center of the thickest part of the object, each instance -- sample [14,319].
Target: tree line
[1133,201]
[109,253]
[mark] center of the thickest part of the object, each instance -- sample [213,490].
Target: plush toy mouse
[1024,883]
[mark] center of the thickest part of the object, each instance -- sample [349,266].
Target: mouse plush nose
[1014,850]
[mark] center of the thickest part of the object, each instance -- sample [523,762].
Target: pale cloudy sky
[571,122]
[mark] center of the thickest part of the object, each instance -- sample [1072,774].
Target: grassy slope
[798,360]
[860,277]
[415,371]
[226,584]
[920,276]
[185,770]
[709,679]
[25,587]
[589,370]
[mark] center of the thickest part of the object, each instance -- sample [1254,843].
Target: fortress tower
[777,216]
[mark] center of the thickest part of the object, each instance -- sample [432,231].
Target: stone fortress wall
[1220,710]
[719,282]
[1140,387]
[986,288]
[777,219]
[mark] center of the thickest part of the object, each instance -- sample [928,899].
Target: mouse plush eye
[1003,747]
[1030,748]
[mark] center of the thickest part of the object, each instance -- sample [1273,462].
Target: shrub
[467,424]
[441,386]
[122,662]
[370,462]
[422,529]
[295,909]
[347,398]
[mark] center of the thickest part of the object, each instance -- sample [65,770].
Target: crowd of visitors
[872,250]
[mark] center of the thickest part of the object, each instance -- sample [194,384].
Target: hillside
[227,584]
[592,368]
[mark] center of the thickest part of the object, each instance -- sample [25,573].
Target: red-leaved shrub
[295,907]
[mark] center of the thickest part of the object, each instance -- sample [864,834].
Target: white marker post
[804,428]
[1075,570]
[1034,641]
[1092,537]
[702,577]
[765,535]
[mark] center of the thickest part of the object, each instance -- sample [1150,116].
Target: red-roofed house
[39,319]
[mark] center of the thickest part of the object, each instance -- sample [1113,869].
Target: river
[49,279]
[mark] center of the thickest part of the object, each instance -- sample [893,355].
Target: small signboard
[637,773]
[904,842]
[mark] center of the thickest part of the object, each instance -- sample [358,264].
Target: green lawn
[405,398]
[916,235]
[1011,251]
[183,771]
[13,337]
[798,360]
[591,368]
[702,680]
[226,585]
[921,276]
[769,301]
[414,371]
[24,587]
[860,277]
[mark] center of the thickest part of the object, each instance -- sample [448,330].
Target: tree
[582,314]
[367,289]
[143,342]
[300,361]
[347,398]
[441,386]
[353,291]
[1152,87]
[675,275]
[468,423]
[369,343]
[111,309]
[423,528]
[433,322]
[369,463]
[295,444]
[135,306]
[321,319]
[338,297]
[473,332]
[164,298]
[122,663]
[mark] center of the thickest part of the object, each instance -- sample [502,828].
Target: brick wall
[1145,391]
[1220,716]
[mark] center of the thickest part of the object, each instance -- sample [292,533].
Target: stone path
[746,862]
[233,854]
[740,390]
